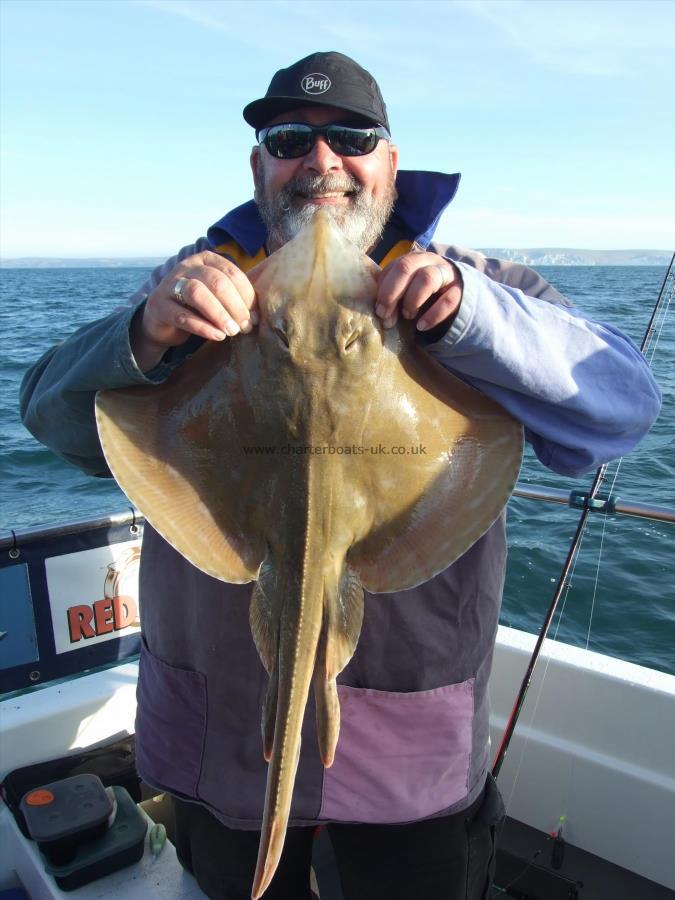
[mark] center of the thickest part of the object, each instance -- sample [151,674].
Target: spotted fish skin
[312,524]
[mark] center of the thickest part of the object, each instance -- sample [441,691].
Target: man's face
[359,191]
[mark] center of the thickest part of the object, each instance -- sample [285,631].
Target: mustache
[310,185]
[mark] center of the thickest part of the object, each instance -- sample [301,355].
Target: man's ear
[393,156]
[254,159]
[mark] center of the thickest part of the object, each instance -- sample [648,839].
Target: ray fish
[317,456]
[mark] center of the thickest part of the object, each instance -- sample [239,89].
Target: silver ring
[445,275]
[178,291]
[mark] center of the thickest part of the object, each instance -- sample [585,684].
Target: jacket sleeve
[583,391]
[57,393]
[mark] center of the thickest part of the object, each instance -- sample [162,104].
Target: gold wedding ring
[178,291]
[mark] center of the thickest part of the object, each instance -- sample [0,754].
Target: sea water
[622,595]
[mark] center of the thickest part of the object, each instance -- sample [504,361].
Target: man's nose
[321,159]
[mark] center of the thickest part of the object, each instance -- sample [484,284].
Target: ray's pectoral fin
[428,509]
[342,620]
[173,450]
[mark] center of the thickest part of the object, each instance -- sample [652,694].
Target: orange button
[39,798]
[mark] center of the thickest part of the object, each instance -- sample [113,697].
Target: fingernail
[407,314]
[219,335]
[390,322]
[380,310]
[232,328]
[246,326]
[255,318]
[422,325]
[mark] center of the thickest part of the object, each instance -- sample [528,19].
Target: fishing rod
[590,499]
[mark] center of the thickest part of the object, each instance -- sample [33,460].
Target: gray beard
[285,214]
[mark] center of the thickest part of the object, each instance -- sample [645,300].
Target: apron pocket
[400,757]
[170,724]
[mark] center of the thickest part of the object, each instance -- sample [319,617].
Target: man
[409,804]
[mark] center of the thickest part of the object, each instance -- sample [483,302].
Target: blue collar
[422,198]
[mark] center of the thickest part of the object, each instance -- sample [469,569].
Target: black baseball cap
[323,79]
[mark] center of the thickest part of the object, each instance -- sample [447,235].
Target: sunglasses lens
[352,141]
[293,140]
[289,141]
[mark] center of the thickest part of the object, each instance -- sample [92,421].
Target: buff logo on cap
[316,83]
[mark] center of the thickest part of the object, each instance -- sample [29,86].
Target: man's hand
[407,283]
[217,301]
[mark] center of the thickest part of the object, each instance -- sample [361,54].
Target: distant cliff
[566,256]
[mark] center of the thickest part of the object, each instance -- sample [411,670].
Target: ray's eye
[283,337]
[351,332]
[351,340]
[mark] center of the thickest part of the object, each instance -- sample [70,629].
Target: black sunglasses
[291,140]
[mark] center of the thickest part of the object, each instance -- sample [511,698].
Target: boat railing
[16,539]
[601,503]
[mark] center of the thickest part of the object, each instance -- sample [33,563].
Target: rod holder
[602,503]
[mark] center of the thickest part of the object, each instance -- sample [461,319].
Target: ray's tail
[290,681]
[315,645]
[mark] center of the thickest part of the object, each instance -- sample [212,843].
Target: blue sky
[121,127]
